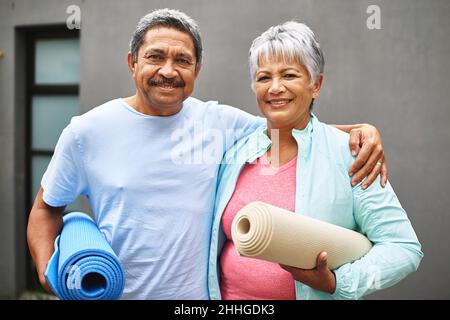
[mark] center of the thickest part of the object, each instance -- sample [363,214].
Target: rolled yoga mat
[266,232]
[84,266]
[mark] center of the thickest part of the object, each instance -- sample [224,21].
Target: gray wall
[7,245]
[394,78]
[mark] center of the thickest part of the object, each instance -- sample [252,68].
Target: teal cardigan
[324,191]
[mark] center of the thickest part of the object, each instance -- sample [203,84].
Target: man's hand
[365,142]
[41,274]
[320,278]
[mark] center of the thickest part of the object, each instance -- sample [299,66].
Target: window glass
[50,115]
[38,166]
[57,61]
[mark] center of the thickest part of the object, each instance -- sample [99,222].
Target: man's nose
[167,70]
[276,86]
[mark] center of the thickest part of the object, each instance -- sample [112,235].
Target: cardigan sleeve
[396,251]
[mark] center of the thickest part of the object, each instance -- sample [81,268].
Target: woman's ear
[317,85]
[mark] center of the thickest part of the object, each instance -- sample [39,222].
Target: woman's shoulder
[336,142]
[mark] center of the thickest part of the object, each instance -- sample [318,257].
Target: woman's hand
[365,141]
[320,278]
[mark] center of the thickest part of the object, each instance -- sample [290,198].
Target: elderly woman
[308,175]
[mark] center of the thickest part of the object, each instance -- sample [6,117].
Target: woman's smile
[279,103]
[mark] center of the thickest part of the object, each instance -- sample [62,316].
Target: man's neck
[141,106]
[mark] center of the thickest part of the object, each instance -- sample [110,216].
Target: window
[47,97]
[53,74]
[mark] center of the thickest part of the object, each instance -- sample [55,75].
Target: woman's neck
[284,146]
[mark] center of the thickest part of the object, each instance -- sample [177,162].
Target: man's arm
[44,224]
[365,142]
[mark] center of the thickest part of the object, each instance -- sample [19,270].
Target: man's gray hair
[168,18]
[291,41]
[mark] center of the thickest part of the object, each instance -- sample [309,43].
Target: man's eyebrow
[184,55]
[154,50]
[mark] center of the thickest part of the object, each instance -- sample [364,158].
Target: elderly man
[137,160]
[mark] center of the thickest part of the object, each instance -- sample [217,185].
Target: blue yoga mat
[84,266]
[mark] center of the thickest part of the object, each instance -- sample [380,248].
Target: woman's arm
[396,251]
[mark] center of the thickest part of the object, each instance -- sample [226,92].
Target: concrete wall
[7,245]
[394,78]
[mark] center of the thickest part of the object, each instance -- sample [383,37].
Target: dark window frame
[32,34]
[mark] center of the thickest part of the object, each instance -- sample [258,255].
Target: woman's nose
[276,86]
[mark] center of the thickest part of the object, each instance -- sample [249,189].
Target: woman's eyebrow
[289,69]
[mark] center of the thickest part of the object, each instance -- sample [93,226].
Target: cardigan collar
[259,142]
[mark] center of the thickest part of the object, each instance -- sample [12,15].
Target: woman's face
[284,92]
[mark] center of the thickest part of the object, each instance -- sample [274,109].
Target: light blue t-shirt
[151,183]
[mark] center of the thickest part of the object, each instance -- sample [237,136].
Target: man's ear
[131,62]
[197,70]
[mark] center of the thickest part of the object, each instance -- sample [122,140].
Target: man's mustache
[167,82]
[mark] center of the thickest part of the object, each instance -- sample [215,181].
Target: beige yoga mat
[263,231]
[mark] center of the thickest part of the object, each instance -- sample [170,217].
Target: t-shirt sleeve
[64,180]
[248,122]
[238,123]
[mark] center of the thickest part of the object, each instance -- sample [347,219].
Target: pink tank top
[248,278]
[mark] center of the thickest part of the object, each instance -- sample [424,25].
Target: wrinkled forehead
[165,37]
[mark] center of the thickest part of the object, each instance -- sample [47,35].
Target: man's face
[165,70]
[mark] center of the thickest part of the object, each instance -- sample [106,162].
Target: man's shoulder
[215,108]
[98,114]
[103,109]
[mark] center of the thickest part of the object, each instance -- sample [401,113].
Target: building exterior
[62,58]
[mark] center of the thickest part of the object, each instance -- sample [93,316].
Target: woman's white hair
[290,41]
